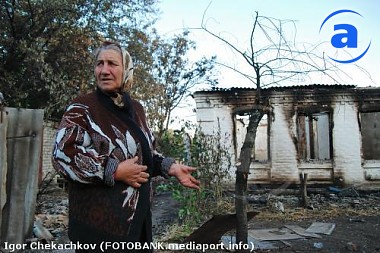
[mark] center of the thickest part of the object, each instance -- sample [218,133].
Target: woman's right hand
[131,173]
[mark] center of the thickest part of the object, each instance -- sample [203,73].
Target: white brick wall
[283,152]
[48,143]
[284,164]
[347,143]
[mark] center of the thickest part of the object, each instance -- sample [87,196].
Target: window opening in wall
[314,136]
[370,130]
[260,152]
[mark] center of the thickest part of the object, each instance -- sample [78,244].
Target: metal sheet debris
[301,231]
[263,245]
[274,234]
[321,228]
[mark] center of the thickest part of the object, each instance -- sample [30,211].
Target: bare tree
[275,63]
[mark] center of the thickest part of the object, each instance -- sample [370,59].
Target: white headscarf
[128,70]
[127,80]
[127,63]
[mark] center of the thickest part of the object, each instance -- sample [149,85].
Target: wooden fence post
[303,189]
[24,140]
[3,162]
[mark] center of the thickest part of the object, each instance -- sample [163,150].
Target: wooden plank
[35,162]
[24,140]
[3,162]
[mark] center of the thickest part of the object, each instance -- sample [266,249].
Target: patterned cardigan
[91,141]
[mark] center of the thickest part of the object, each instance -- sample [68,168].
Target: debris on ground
[351,216]
[212,230]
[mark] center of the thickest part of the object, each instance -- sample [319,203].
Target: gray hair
[127,61]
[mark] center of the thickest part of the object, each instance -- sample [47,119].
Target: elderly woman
[105,149]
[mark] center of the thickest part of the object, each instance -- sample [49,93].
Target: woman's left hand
[183,175]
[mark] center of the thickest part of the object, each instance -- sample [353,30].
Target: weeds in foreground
[210,156]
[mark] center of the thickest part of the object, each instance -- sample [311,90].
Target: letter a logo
[345,37]
[350,36]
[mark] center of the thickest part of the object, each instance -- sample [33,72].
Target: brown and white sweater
[94,136]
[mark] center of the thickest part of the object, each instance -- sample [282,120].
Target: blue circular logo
[346,37]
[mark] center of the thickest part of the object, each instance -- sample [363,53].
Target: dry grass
[303,214]
[323,210]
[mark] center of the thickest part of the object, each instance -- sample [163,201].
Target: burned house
[330,132]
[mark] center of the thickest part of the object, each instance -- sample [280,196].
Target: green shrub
[210,156]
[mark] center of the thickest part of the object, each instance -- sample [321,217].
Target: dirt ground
[360,235]
[356,215]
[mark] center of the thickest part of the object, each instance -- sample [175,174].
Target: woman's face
[109,70]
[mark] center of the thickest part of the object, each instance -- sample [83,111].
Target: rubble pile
[51,219]
[327,201]
[325,205]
